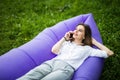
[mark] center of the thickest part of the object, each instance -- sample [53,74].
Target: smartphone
[71,35]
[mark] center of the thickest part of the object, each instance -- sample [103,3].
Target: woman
[71,50]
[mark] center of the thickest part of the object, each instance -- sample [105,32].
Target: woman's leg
[37,73]
[62,71]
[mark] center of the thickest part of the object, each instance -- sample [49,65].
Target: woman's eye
[80,30]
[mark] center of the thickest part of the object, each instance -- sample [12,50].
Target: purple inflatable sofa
[19,61]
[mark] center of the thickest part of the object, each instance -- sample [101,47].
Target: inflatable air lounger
[19,61]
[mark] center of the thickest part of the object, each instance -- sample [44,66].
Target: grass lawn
[22,20]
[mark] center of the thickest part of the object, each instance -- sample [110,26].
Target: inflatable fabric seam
[28,56]
[66,25]
[83,19]
[54,33]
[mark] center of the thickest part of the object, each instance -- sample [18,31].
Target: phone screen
[71,35]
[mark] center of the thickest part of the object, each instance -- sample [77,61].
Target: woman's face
[79,32]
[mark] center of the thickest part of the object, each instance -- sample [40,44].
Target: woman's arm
[57,46]
[102,47]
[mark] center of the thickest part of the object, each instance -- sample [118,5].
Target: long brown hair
[88,34]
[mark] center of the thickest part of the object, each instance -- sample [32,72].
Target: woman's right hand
[67,35]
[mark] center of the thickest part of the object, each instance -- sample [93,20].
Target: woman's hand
[67,35]
[55,49]
[102,47]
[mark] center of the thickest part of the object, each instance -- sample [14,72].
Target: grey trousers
[50,70]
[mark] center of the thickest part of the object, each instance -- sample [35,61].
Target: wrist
[66,39]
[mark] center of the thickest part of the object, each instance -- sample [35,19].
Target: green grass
[22,20]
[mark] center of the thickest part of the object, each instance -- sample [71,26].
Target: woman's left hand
[102,47]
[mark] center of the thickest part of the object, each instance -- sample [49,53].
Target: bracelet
[65,39]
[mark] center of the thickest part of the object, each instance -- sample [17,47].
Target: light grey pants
[50,70]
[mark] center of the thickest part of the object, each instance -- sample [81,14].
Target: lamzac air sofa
[19,61]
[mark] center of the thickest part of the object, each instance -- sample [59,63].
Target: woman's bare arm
[102,47]
[57,46]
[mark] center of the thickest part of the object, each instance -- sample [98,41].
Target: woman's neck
[78,42]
